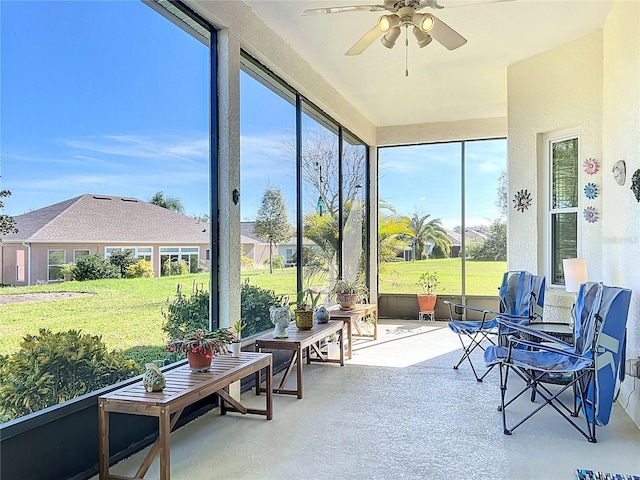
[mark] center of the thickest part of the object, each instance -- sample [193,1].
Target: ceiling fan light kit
[403,13]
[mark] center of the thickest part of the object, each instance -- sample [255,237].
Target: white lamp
[575,273]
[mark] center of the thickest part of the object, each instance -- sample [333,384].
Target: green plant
[50,368]
[175,267]
[122,259]
[355,286]
[215,342]
[238,327]
[429,282]
[306,300]
[140,269]
[186,314]
[254,307]
[94,267]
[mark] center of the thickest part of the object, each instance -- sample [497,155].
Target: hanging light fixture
[423,39]
[389,38]
[423,21]
[387,22]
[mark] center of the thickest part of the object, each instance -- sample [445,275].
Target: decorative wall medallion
[619,171]
[591,190]
[522,200]
[635,184]
[590,215]
[590,166]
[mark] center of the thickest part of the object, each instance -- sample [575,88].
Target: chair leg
[474,342]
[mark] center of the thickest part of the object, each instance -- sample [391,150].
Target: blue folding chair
[590,367]
[521,299]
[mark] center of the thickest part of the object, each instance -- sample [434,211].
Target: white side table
[557,306]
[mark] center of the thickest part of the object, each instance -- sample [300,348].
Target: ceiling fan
[403,13]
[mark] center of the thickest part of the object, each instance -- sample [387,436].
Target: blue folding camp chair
[521,299]
[590,367]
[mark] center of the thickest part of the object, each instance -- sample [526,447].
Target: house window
[56,260]
[78,254]
[563,154]
[289,259]
[141,253]
[171,256]
[20,266]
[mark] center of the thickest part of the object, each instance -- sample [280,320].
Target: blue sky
[110,98]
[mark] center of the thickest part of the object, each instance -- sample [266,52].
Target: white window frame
[136,251]
[49,265]
[547,141]
[75,253]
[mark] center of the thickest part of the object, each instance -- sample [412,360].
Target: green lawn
[127,312]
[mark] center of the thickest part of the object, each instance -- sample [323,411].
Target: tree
[424,230]
[494,248]
[7,223]
[170,203]
[122,259]
[272,221]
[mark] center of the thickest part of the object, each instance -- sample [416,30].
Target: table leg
[269,392]
[349,338]
[163,437]
[299,370]
[103,441]
[375,325]
[342,346]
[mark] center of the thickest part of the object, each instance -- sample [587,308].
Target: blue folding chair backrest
[520,293]
[608,349]
[584,316]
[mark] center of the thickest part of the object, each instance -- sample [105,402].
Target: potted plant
[347,292]
[305,303]
[201,346]
[429,282]
[236,343]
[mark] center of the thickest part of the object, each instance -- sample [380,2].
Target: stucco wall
[621,141]
[554,91]
[592,85]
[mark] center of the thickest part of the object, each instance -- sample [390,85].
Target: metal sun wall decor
[590,214]
[522,200]
[591,190]
[635,184]
[590,166]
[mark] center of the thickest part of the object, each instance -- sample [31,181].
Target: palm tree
[170,203]
[424,230]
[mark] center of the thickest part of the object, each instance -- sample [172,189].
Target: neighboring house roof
[103,219]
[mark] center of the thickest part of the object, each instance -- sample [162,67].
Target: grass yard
[127,312]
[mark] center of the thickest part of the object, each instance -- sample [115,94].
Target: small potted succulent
[348,292]
[236,343]
[201,346]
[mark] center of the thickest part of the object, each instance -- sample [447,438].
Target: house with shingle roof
[58,234]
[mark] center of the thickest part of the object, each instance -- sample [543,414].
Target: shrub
[94,267]
[175,267]
[185,314]
[51,368]
[152,354]
[122,259]
[254,308]
[278,261]
[140,269]
[246,262]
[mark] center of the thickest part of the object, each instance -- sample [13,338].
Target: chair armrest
[465,307]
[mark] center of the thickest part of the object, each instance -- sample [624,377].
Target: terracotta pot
[304,319]
[347,301]
[427,302]
[200,361]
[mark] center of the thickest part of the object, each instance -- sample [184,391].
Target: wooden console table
[298,341]
[183,389]
[351,319]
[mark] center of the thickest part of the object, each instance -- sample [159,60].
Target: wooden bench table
[351,319]
[183,389]
[298,341]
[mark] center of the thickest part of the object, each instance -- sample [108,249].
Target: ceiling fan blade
[463,3]
[366,40]
[349,8]
[446,35]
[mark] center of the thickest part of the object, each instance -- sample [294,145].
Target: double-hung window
[563,155]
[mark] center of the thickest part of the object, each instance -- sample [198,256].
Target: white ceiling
[442,85]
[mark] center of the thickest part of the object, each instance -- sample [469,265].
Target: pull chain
[406,51]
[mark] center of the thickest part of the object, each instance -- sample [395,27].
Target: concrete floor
[397,410]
